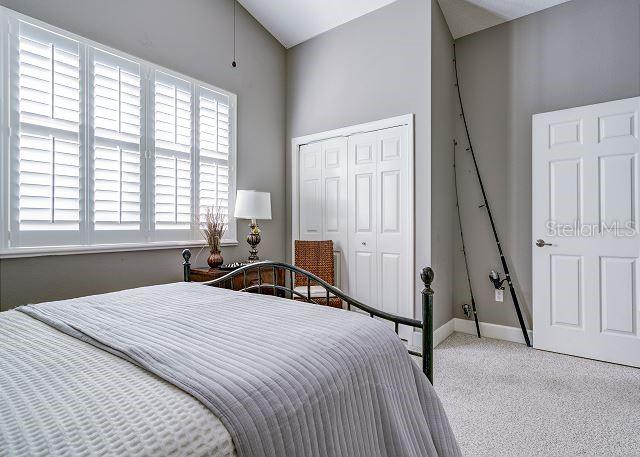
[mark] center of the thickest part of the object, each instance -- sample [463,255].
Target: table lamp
[253,205]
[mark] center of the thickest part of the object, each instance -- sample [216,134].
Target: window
[104,149]
[117,159]
[213,142]
[46,84]
[172,105]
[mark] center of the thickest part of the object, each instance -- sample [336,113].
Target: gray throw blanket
[285,378]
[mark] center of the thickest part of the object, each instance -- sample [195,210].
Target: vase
[215,258]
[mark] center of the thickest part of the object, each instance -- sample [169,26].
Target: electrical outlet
[499,294]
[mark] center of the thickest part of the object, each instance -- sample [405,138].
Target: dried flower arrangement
[213,227]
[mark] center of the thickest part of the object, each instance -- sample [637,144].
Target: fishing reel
[494,277]
[466,309]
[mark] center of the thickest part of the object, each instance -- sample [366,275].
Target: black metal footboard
[283,285]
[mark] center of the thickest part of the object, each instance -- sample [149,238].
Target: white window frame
[89,240]
[4,132]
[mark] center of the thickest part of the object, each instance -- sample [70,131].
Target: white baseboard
[495,331]
[439,335]
[442,333]
[487,330]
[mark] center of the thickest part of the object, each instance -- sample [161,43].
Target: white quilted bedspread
[61,396]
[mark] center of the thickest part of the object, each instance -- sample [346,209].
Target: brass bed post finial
[186,255]
[427,322]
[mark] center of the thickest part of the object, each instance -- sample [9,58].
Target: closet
[357,190]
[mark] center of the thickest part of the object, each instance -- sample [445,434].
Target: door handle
[364,243]
[542,243]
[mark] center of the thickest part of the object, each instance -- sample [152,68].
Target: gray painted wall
[581,52]
[443,121]
[196,41]
[374,67]
[577,53]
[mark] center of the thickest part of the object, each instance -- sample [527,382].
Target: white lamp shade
[251,204]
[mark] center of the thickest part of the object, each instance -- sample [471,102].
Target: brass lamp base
[253,238]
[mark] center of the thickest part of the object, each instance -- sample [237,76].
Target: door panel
[392,222]
[312,202]
[363,151]
[566,191]
[311,192]
[364,203]
[364,272]
[563,134]
[390,267]
[585,197]
[617,126]
[617,193]
[323,199]
[334,175]
[566,290]
[332,214]
[391,144]
[390,194]
[617,297]
[379,218]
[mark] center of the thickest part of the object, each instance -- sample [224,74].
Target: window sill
[40,251]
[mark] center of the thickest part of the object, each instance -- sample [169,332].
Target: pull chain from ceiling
[234,64]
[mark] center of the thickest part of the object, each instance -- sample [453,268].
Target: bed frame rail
[287,290]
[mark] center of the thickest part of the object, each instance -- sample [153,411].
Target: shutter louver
[173,108]
[117,161]
[49,130]
[214,150]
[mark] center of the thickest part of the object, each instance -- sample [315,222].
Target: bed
[199,369]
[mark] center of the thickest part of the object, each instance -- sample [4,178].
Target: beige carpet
[504,399]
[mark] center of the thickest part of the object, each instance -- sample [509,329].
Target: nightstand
[202,274]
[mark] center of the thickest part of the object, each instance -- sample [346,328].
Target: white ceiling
[468,16]
[295,21]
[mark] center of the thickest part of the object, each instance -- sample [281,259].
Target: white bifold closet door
[379,221]
[323,199]
[356,191]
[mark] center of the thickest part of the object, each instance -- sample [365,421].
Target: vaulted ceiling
[295,21]
[468,16]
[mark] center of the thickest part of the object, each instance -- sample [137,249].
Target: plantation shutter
[116,135]
[105,149]
[214,148]
[49,155]
[173,152]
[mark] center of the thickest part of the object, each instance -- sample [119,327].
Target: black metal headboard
[237,280]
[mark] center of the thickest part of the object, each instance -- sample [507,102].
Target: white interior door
[380,227]
[585,206]
[323,199]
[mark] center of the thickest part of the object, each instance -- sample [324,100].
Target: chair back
[316,257]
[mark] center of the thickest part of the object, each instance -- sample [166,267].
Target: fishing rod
[464,249]
[505,267]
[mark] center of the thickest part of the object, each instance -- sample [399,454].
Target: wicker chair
[317,258]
